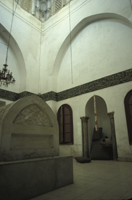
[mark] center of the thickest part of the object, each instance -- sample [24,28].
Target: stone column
[113,136]
[85,136]
[33,7]
[37,9]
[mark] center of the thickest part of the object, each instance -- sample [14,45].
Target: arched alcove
[15,62]
[103,119]
[91,39]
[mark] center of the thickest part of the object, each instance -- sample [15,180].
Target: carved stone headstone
[28,129]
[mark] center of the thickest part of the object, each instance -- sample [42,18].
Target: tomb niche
[29,150]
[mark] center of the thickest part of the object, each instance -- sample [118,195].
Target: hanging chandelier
[6,76]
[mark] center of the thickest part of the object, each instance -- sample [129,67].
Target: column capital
[111,115]
[84,119]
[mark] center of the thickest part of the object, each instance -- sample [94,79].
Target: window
[65,124]
[128,108]
[58,5]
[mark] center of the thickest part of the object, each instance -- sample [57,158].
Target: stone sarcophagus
[30,164]
[28,129]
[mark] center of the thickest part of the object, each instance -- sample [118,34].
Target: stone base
[25,179]
[125,159]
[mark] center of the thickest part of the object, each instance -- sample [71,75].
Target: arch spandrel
[29,129]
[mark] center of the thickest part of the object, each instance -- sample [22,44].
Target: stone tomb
[30,164]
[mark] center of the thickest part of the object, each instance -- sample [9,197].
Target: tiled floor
[96,180]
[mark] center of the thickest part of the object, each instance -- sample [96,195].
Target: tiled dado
[108,81]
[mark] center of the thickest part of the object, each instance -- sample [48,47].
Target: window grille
[57,5]
[26,5]
[42,9]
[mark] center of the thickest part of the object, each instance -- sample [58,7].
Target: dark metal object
[83,159]
[106,142]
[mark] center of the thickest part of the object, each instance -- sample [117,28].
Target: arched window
[65,124]
[128,108]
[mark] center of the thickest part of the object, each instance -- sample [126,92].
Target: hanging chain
[13,13]
[70,44]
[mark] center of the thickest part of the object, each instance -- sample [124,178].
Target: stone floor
[96,180]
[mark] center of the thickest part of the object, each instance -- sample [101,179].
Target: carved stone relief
[32,115]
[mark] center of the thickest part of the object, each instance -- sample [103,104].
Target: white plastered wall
[101,45]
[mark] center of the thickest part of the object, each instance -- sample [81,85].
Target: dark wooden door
[60,122]
[65,124]
[128,108]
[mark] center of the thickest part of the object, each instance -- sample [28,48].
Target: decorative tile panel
[24,94]
[108,81]
[49,96]
[8,95]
